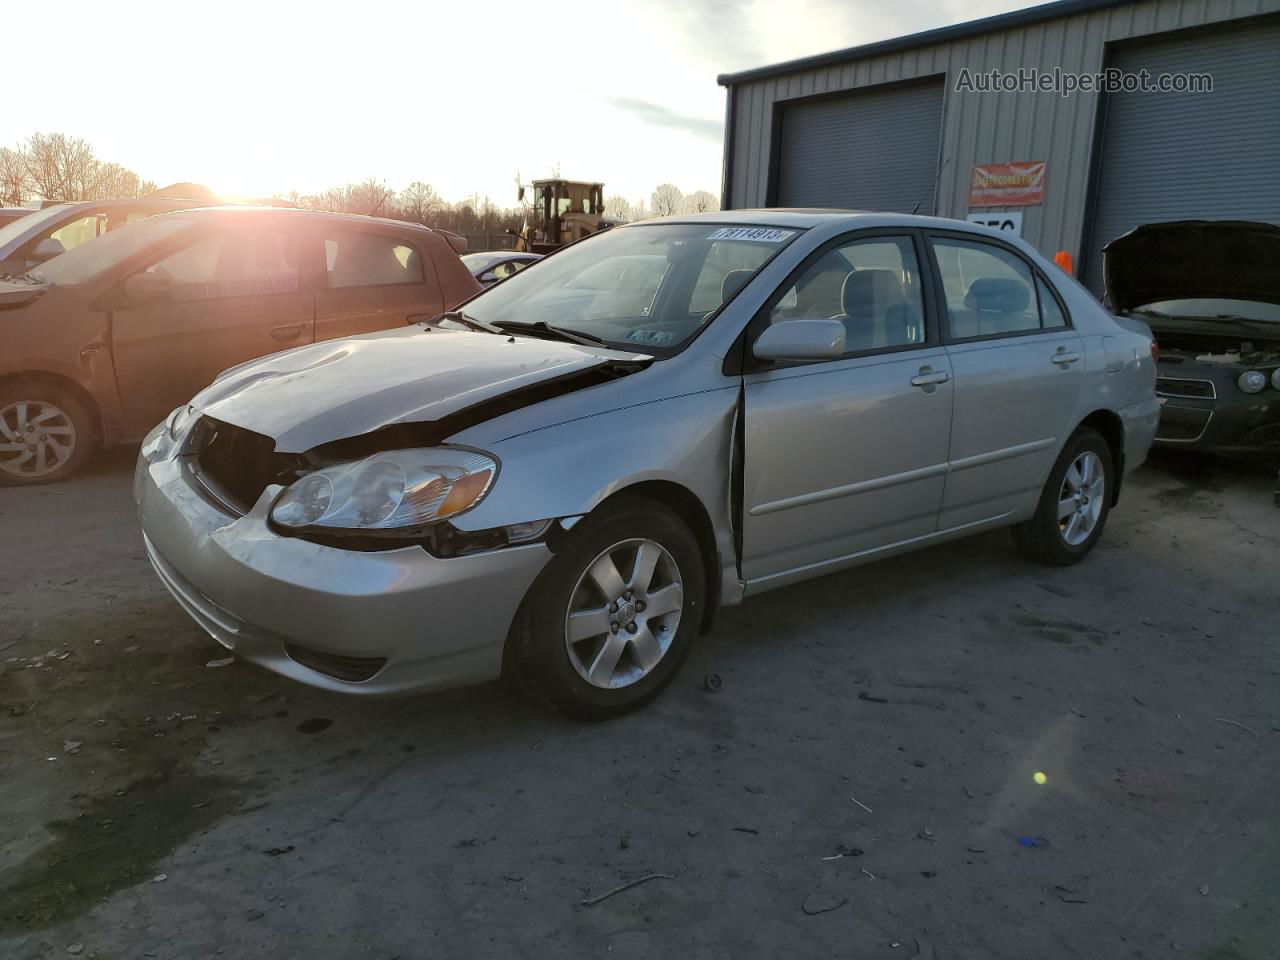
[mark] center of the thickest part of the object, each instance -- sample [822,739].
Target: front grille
[235,465]
[1177,387]
[349,669]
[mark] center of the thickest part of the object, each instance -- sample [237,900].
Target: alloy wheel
[36,438]
[1081,498]
[623,613]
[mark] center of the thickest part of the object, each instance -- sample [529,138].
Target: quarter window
[1051,313]
[370,260]
[871,286]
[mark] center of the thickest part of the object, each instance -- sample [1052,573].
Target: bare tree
[702,201]
[113,180]
[666,200]
[61,167]
[618,206]
[372,197]
[419,201]
[14,186]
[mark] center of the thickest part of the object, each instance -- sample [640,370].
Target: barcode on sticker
[758,234]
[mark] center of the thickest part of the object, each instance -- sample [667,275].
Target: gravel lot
[155,806]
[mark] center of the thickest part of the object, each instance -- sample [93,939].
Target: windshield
[1201,308]
[648,287]
[87,261]
[21,227]
[478,261]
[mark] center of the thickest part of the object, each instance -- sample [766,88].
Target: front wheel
[46,434]
[612,618]
[1074,504]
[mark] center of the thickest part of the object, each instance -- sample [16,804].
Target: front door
[846,456]
[1018,368]
[232,295]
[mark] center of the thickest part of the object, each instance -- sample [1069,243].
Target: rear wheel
[46,434]
[613,617]
[1074,504]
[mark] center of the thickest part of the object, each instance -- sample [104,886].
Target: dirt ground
[864,784]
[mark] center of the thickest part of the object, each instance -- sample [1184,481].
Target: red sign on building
[1006,184]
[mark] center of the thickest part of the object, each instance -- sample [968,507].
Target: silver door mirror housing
[814,338]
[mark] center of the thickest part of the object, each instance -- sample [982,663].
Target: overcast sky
[266,97]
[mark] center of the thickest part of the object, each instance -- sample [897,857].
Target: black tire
[541,654]
[72,411]
[1042,537]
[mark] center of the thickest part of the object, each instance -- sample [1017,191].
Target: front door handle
[1065,358]
[929,377]
[285,334]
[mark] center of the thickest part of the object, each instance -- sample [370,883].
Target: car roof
[804,217]
[233,211]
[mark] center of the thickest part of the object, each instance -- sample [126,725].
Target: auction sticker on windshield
[758,234]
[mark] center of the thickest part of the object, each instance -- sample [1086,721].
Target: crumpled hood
[1192,259]
[345,388]
[18,293]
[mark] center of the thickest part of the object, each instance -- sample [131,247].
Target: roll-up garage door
[874,150]
[1177,156]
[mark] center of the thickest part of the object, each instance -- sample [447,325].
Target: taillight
[1155,350]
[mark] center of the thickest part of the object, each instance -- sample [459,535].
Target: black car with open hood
[1210,291]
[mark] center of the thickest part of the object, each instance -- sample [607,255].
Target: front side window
[989,290]
[258,262]
[78,231]
[872,286]
[370,260]
[648,287]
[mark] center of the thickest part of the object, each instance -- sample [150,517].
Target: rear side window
[989,290]
[370,260]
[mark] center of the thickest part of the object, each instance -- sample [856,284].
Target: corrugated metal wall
[991,127]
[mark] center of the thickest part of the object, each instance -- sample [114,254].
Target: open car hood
[1193,259]
[346,388]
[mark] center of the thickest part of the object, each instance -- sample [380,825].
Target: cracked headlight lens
[397,491]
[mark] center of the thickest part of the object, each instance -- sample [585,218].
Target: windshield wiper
[541,326]
[461,317]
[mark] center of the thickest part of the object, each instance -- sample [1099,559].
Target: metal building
[902,124]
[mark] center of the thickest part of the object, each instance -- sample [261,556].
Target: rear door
[846,456]
[1018,368]
[233,295]
[372,281]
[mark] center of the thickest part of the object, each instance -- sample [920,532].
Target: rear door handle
[928,377]
[285,334]
[1064,359]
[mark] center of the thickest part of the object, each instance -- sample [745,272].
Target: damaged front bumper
[389,622]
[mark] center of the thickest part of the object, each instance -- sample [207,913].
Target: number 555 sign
[1008,222]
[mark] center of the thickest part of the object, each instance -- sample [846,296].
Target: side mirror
[47,249]
[146,288]
[805,339]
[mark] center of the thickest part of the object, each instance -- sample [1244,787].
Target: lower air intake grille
[348,669]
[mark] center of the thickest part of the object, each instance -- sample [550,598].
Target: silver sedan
[565,479]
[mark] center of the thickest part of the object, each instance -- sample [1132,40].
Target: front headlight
[397,492]
[1252,381]
[180,421]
